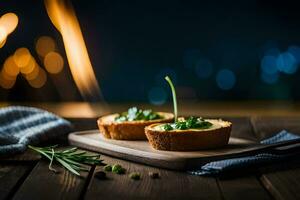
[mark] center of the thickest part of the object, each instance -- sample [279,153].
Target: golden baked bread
[128,130]
[191,139]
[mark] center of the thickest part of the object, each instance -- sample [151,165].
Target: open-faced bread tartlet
[189,134]
[131,125]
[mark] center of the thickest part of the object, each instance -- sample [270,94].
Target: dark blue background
[212,49]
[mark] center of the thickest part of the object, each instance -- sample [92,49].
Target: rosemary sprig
[174,97]
[72,159]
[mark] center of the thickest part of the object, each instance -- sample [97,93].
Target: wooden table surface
[27,176]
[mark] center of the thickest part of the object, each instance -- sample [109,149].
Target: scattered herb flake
[135,176]
[107,168]
[118,169]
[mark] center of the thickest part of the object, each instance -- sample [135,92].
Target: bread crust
[187,140]
[128,130]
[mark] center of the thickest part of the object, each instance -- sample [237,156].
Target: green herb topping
[135,114]
[190,123]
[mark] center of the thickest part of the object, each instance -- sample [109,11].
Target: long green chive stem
[71,159]
[174,97]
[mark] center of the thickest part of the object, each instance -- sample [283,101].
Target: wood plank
[11,177]
[267,126]
[171,185]
[45,184]
[246,187]
[283,184]
[282,180]
[28,155]
[235,187]
[242,128]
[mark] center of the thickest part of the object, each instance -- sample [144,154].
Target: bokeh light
[29,67]
[295,51]
[44,45]
[3,36]
[6,81]
[40,80]
[9,22]
[53,62]
[22,57]
[225,79]
[157,96]
[286,63]
[269,65]
[204,68]
[22,62]
[32,75]
[10,67]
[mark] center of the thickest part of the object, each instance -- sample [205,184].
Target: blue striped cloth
[20,126]
[229,165]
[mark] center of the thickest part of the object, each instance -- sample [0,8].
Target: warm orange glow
[22,61]
[6,81]
[40,80]
[10,67]
[3,36]
[44,45]
[22,57]
[53,62]
[9,21]
[29,67]
[33,75]
[64,19]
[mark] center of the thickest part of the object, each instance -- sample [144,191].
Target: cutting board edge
[135,155]
[179,165]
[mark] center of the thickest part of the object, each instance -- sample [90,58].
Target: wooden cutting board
[142,152]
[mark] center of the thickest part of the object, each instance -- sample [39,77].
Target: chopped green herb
[135,114]
[135,176]
[118,169]
[107,168]
[167,127]
[190,123]
[181,125]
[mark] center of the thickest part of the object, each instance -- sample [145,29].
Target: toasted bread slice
[189,140]
[128,130]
